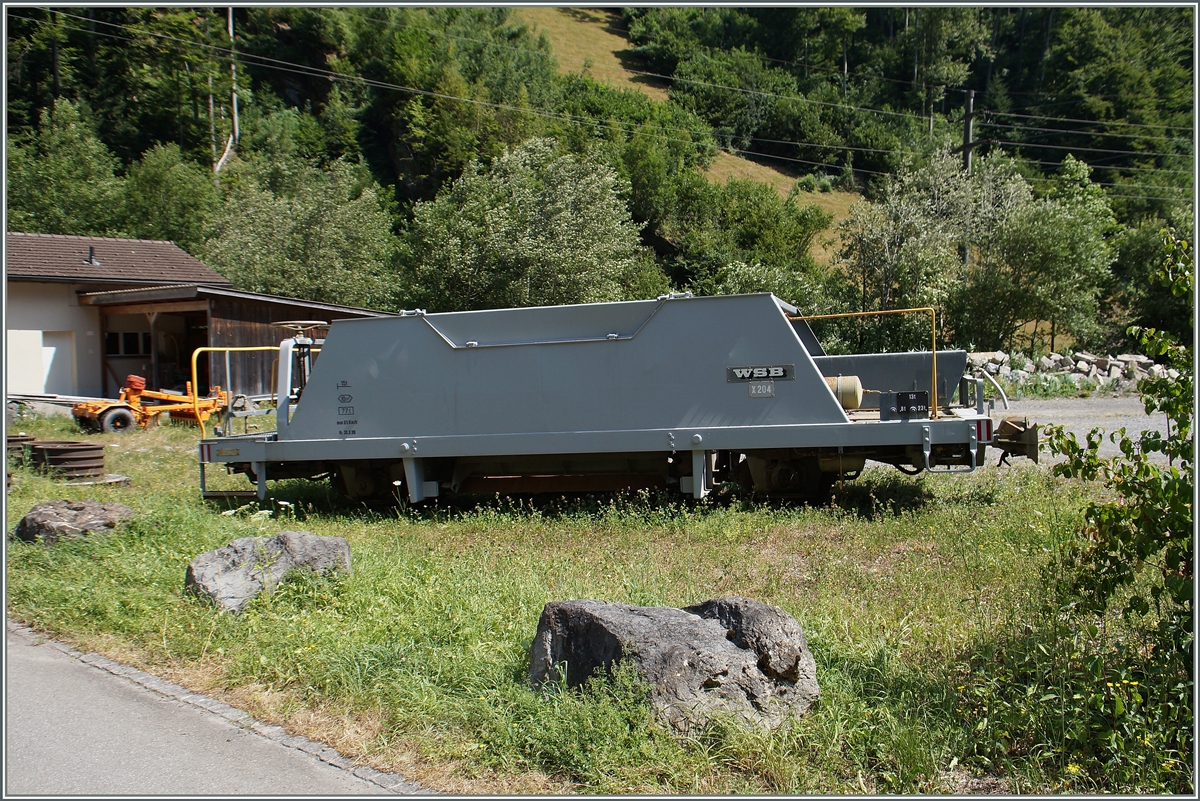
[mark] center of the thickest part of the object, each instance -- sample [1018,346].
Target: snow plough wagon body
[676,394]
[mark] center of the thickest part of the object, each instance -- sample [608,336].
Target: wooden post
[104,366]
[157,382]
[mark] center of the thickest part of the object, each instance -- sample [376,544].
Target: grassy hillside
[595,38]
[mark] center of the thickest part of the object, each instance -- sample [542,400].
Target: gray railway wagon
[678,394]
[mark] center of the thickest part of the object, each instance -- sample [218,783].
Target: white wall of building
[23,362]
[53,343]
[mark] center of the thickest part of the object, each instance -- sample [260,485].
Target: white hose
[999,389]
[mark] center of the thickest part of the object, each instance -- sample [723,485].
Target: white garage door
[40,362]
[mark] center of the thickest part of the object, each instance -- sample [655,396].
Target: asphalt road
[75,727]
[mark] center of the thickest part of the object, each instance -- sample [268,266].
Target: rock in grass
[729,655]
[53,520]
[232,575]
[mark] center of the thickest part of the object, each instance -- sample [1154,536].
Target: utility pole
[235,134]
[54,49]
[968,130]
[967,148]
[212,124]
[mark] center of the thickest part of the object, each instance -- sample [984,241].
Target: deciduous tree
[536,228]
[62,179]
[329,239]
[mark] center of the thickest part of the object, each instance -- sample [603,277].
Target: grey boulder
[53,520]
[234,574]
[732,656]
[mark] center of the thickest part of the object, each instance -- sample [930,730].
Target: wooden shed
[51,344]
[164,325]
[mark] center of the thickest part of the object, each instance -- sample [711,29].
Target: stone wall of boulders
[1082,369]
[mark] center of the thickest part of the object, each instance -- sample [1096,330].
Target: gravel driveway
[1081,415]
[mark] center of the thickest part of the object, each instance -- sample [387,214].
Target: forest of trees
[435,157]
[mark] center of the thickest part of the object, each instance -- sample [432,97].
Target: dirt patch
[725,166]
[958,782]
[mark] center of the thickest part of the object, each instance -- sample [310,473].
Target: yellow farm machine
[131,407]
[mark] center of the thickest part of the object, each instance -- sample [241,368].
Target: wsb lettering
[765,372]
[759,372]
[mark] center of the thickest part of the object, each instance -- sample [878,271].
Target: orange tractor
[129,409]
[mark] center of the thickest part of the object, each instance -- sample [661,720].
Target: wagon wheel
[117,421]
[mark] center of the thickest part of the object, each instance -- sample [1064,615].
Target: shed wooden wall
[240,323]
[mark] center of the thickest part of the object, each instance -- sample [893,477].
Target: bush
[1150,525]
[815,182]
[1127,701]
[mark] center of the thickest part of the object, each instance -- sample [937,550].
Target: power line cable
[1096,166]
[1139,197]
[315,72]
[805,65]
[309,71]
[758,155]
[660,76]
[1090,122]
[922,119]
[318,72]
[1090,149]
[792,98]
[917,117]
[1123,185]
[769,58]
[711,48]
[1067,130]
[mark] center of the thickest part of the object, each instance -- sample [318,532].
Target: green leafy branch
[1150,520]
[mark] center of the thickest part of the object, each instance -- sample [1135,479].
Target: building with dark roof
[57,258]
[84,312]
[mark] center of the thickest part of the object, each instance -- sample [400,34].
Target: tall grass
[914,594]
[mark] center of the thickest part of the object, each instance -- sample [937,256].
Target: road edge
[392,782]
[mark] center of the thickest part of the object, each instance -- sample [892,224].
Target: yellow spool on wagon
[847,389]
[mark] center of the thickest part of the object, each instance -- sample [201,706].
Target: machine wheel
[117,421]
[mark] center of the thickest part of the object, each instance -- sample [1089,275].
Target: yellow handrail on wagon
[195,383]
[932,328]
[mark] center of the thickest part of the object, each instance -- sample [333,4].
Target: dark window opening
[128,343]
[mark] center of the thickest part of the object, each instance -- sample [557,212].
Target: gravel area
[1081,415]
